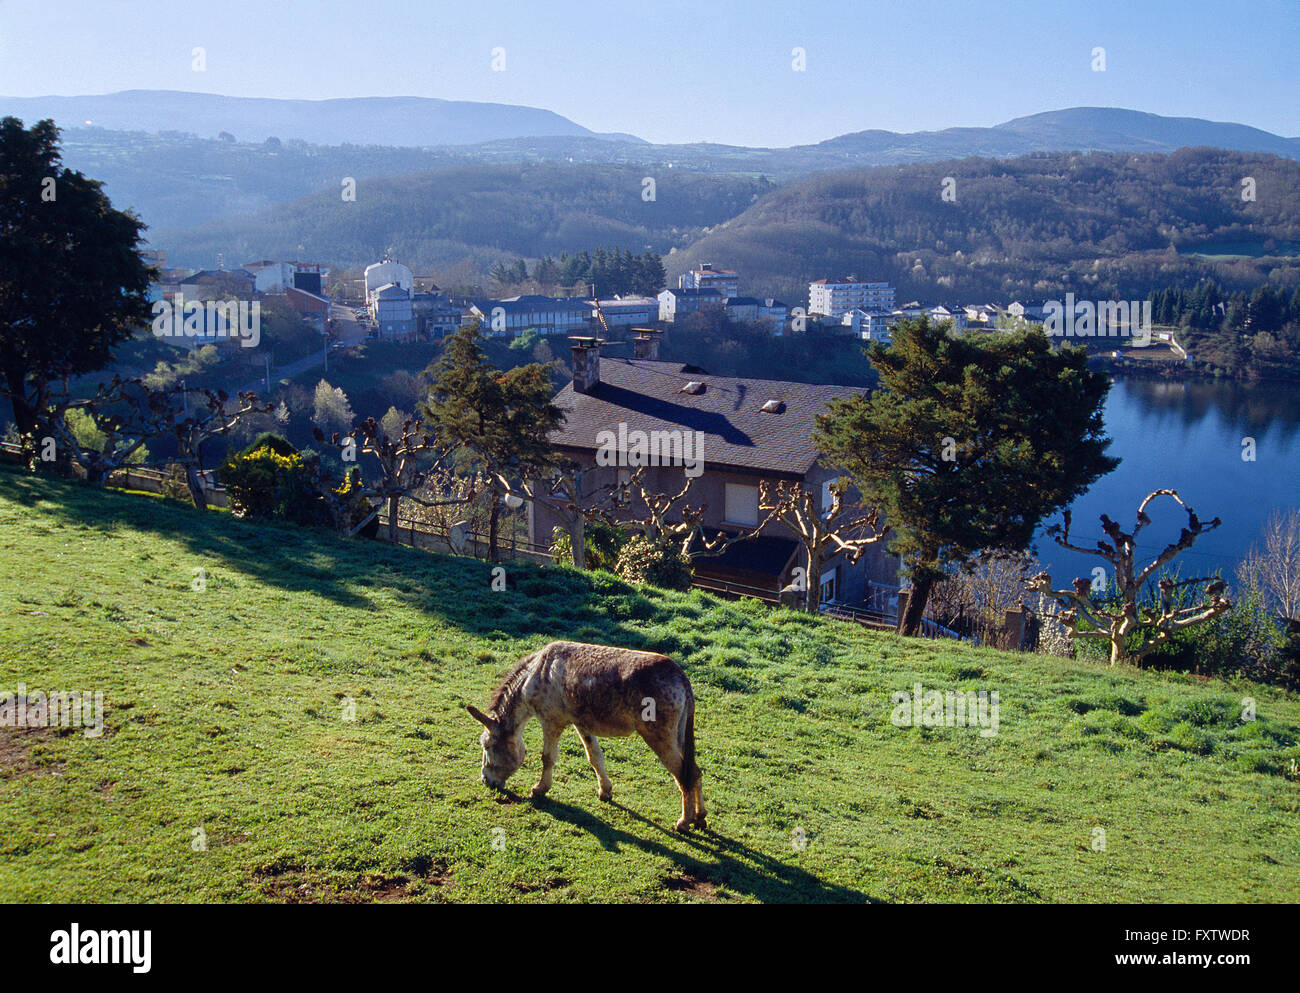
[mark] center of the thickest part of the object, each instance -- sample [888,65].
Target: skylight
[772,407]
[694,386]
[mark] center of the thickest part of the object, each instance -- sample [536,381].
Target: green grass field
[225,713]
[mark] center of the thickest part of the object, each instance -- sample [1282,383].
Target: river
[1190,437]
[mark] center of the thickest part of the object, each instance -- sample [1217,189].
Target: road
[346,329]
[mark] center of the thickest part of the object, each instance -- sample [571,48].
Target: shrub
[268,482]
[642,561]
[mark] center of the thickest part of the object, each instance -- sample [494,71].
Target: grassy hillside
[225,709]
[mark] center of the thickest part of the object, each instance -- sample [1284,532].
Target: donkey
[602,691]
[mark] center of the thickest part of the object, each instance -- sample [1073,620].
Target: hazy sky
[712,70]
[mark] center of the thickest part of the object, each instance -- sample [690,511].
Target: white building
[706,277]
[835,298]
[549,315]
[390,309]
[870,325]
[627,311]
[386,272]
[955,314]
[675,303]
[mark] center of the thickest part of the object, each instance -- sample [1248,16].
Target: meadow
[284,721]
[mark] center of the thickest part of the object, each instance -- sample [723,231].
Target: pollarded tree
[109,429]
[211,415]
[822,534]
[72,282]
[401,474]
[968,444]
[1115,619]
[668,521]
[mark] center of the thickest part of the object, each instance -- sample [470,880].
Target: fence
[135,477]
[433,537]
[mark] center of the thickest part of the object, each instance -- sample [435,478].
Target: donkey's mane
[503,696]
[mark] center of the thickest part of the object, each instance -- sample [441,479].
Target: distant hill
[479,212]
[1036,226]
[397,121]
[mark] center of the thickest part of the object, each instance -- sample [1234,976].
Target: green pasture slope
[225,715]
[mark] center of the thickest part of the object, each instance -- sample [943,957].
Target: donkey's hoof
[701,823]
[684,826]
[537,792]
[606,795]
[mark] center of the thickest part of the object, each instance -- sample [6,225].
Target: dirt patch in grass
[696,887]
[554,883]
[16,748]
[296,886]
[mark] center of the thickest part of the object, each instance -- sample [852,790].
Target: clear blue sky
[713,70]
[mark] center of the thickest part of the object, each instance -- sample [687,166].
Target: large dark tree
[503,419]
[968,444]
[72,282]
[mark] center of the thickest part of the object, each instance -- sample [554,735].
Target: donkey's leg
[700,812]
[671,755]
[550,752]
[597,759]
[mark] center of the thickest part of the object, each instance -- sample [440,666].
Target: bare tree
[1114,622]
[565,495]
[400,475]
[685,534]
[213,415]
[1274,568]
[123,411]
[822,534]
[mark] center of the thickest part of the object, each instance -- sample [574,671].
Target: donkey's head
[503,749]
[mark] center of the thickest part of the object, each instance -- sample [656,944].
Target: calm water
[1188,437]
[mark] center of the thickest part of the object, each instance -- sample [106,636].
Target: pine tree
[968,443]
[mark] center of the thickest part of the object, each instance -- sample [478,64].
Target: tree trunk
[26,416]
[493,516]
[813,581]
[197,493]
[578,539]
[910,623]
[392,520]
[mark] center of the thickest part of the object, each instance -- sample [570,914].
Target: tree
[212,417]
[822,534]
[72,282]
[108,430]
[1274,568]
[330,408]
[398,457]
[968,443]
[503,420]
[1114,619]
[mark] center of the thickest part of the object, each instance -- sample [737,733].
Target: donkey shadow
[723,861]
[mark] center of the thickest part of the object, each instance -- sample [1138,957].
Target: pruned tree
[213,415]
[1116,617]
[124,414]
[822,534]
[401,474]
[565,494]
[668,521]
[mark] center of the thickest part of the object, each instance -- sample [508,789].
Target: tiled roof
[646,396]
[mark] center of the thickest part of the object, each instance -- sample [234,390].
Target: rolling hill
[1038,225]
[303,712]
[397,121]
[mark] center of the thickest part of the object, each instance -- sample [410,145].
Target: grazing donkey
[603,691]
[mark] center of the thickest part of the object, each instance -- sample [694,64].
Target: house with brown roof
[728,434]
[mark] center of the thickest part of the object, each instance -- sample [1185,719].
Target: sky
[673,71]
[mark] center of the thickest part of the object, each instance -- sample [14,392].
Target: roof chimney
[645,344]
[586,363]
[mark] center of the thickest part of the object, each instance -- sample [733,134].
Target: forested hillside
[476,213]
[1098,224]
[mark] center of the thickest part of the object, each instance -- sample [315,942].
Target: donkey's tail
[690,771]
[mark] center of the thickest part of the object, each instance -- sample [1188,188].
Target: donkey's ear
[479,716]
